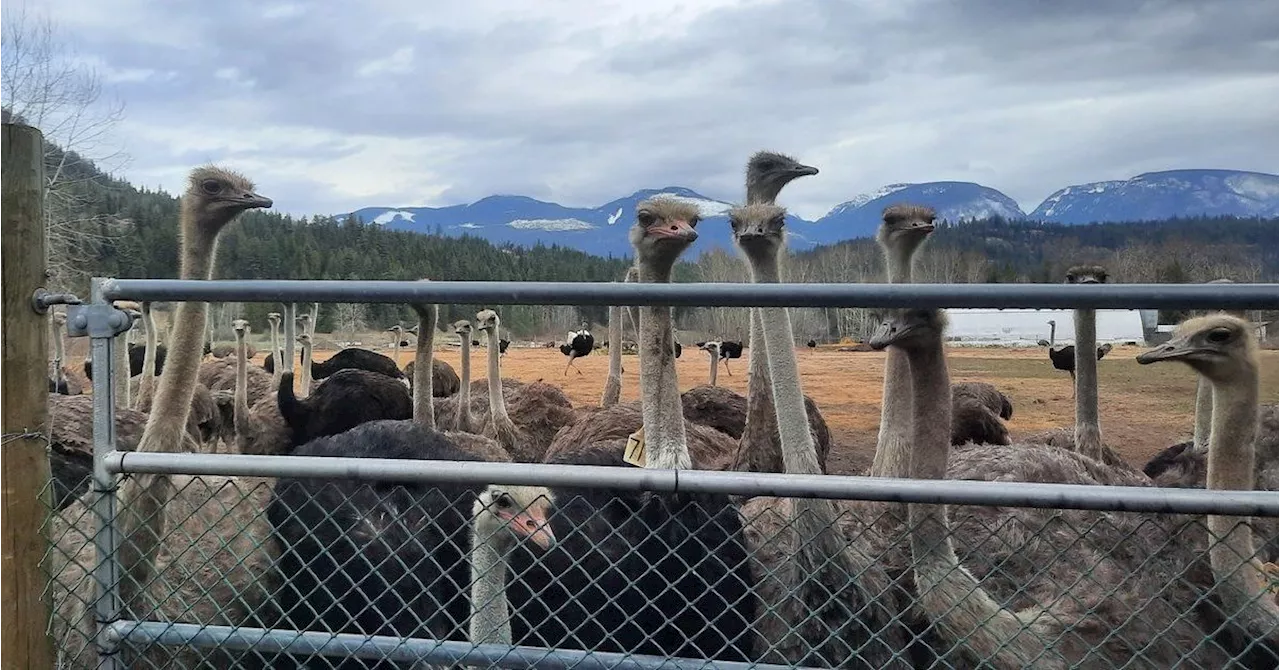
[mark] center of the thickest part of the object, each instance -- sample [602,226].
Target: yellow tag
[634,453]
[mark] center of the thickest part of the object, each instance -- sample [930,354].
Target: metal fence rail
[1089,532]
[1047,296]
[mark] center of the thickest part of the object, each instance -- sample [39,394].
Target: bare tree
[349,317]
[44,84]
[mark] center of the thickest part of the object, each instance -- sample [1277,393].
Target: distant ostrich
[1043,626]
[613,381]
[150,351]
[713,351]
[825,600]
[812,344]
[630,571]
[268,364]
[137,355]
[537,410]
[58,381]
[345,399]
[259,426]
[354,358]
[730,350]
[189,549]
[577,345]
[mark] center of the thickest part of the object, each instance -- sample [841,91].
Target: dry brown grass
[1144,408]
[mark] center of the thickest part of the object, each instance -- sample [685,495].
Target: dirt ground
[1143,408]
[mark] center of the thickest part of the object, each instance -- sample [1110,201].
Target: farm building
[1025,327]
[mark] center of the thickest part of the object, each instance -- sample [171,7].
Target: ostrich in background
[577,344]
[58,380]
[276,353]
[825,600]
[166,559]
[1137,621]
[713,352]
[259,426]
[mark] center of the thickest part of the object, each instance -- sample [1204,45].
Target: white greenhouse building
[1025,327]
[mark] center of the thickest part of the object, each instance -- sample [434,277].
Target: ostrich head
[1218,346]
[463,328]
[274,319]
[906,225]
[304,339]
[487,320]
[906,328]
[60,319]
[1086,274]
[217,195]
[664,228]
[240,326]
[514,513]
[759,229]
[304,321]
[768,172]
[397,329]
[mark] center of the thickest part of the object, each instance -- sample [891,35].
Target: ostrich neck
[122,373]
[1241,585]
[963,611]
[240,411]
[664,434]
[1088,432]
[278,368]
[423,366]
[613,384]
[497,403]
[306,370]
[715,367]
[760,439]
[146,384]
[893,451]
[464,389]
[59,375]
[490,620]
[1204,415]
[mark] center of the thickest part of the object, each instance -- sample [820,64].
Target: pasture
[1143,408]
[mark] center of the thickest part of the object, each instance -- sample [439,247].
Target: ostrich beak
[1169,351]
[675,229]
[531,524]
[804,170]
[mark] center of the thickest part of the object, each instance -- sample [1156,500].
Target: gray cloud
[341,106]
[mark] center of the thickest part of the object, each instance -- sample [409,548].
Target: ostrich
[462,422]
[825,600]
[644,573]
[58,382]
[166,559]
[730,350]
[71,443]
[262,429]
[812,344]
[1087,436]
[273,318]
[539,410]
[345,399]
[147,380]
[713,351]
[1134,623]
[903,230]
[577,345]
[357,359]
[399,342]
[613,382]
[1064,357]
[1053,330]
[502,517]
[766,175]
[976,411]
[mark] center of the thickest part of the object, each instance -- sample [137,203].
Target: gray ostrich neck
[715,367]
[664,435]
[464,389]
[306,370]
[290,337]
[490,619]
[122,373]
[240,411]
[1088,433]
[1204,416]
[423,364]
[1241,585]
[59,375]
[278,365]
[1053,333]
[146,384]
[760,435]
[892,457]
[613,384]
[497,403]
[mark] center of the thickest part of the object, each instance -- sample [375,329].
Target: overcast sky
[331,106]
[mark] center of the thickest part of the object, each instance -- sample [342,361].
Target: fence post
[24,460]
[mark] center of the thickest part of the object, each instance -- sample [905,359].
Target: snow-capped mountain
[1161,195]
[602,230]
[953,200]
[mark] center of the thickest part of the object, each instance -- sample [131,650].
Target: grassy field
[1143,408]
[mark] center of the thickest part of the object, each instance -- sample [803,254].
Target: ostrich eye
[211,186]
[693,221]
[646,218]
[504,501]
[1218,335]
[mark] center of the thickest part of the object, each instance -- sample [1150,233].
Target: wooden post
[24,462]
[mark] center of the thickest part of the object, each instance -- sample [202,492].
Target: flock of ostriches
[803,581]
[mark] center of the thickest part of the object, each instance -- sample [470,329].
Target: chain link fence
[352,573]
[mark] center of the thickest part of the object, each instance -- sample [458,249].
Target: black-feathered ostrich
[649,573]
[577,344]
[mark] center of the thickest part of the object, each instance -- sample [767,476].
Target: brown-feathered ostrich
[345,399]
[613,381]
[976,411]
[268,364]
[71,443]
[648,573]
[537,411]
[146,381]
[174,531]
[903,230]
[576,345]
[353,358]
[444,380]
[1086,437]
[1116,597]
[58,382]
[461,418]
[259,426]
[766,175]
[825,600]
[1223,350]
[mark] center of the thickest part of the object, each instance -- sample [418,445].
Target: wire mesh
[392,570]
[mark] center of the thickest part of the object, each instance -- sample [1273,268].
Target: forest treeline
[125,231]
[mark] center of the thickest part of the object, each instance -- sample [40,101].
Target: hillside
[514,219]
